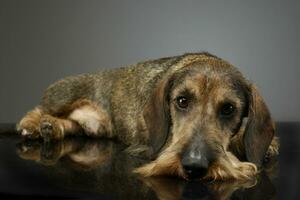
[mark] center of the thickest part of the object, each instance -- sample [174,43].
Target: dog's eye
[227,110]
[182,102]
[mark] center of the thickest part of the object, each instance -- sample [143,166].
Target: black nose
[194,171]
[195,164]
[196,157]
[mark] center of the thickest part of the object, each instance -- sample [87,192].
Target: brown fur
[137,105]
[32,123]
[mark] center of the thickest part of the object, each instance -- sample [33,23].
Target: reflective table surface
[85,168]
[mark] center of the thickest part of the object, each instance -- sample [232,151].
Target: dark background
[43,41]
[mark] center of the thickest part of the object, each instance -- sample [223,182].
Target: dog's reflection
[111,168]
[262,188]
[82,153]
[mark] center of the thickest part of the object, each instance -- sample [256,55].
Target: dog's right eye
[182,102]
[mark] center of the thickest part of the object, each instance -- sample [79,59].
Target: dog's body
[121,93]
[175,109]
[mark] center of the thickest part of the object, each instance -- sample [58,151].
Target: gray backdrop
[42,41]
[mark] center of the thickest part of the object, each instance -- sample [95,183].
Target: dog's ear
[157,116]
[259,130]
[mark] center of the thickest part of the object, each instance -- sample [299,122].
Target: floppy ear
[157,116]
[259,129]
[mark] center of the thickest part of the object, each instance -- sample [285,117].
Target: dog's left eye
[227,110]
[182,102]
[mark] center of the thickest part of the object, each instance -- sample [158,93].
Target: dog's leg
[29,126]
[92,118]
[89,118]
[81,115]
[53,128]
[36,124]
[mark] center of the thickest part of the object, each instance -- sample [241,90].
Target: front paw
[29,126]
[50,128]
[29,130]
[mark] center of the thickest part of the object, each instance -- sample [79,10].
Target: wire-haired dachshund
[194,115]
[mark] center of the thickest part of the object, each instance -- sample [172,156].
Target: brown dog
[195,114]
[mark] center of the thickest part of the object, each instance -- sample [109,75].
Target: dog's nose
[195,165]
[196,157]
[194,170]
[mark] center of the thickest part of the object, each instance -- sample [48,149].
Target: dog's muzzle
[196,158]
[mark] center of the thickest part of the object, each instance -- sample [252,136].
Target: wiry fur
[135,105]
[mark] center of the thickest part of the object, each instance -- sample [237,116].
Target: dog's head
[203,117]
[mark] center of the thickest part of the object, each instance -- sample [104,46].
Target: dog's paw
[29,126]
[50,128]
[30,130]
[30,133]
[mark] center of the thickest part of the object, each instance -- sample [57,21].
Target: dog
[194,116]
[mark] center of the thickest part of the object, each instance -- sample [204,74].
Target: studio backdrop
[43,41]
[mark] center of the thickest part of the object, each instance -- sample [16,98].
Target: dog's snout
[196,158]
[195,165]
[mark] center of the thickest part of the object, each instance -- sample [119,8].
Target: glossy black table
[84,168]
